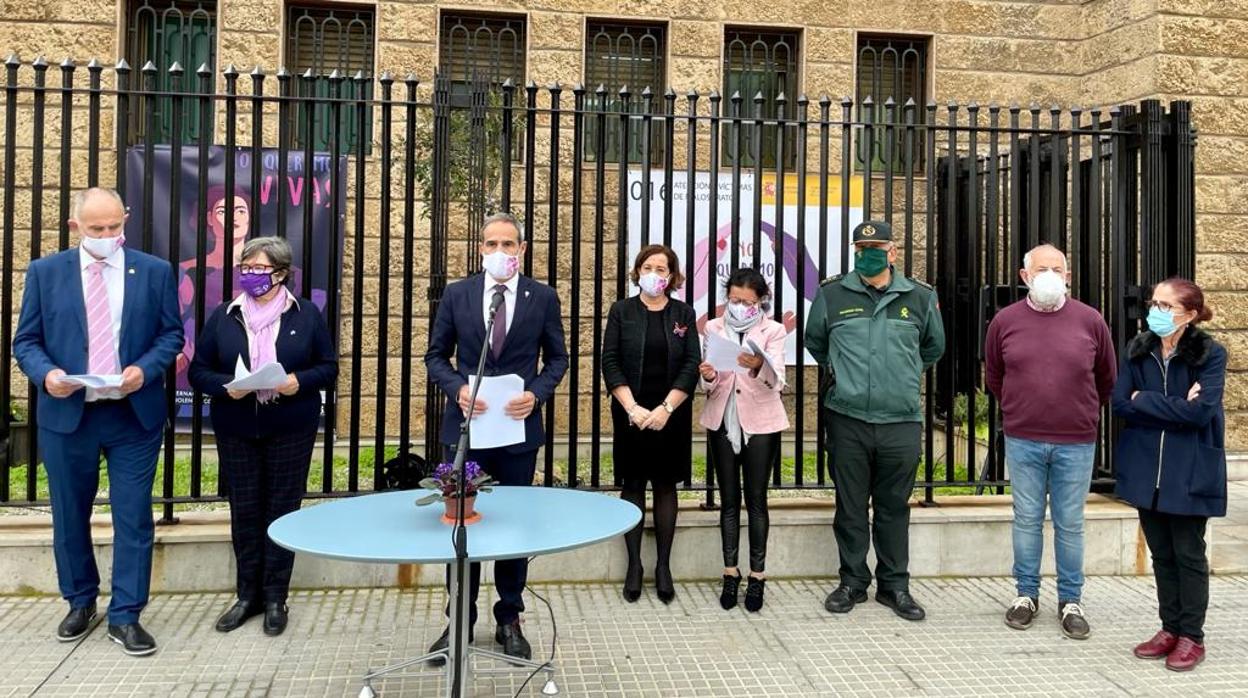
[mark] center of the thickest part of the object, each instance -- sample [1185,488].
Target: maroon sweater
[1051,372]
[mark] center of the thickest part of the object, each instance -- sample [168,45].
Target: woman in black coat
[264,438]
[1170,462]
[650,357]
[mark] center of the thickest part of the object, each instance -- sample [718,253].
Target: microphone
[495,303]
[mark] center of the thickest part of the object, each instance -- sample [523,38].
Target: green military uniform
[876,343]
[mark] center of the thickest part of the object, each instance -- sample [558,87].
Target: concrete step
[961,537]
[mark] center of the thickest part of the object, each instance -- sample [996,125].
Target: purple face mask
[256,284]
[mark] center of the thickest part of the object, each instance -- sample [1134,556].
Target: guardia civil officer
[876,331]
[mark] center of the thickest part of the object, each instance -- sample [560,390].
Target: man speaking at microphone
[527,326]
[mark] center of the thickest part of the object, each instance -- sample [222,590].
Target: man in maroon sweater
[1049,359]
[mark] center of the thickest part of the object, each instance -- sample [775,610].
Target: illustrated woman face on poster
[216,222]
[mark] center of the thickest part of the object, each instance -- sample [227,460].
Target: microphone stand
[459,576]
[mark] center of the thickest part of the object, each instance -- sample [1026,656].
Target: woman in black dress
[650,358]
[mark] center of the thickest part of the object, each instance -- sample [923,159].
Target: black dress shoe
[76,624]
[275,616]
[663,584]
[238,614]
[512,640]
[440,644]
[902,604]
[632,583]
[134,640]
[728,594]
[843,599]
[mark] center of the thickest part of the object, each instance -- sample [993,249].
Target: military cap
[873,231]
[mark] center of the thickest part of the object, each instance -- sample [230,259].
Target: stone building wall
[1091,53]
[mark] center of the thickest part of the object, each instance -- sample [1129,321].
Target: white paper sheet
[268,377]
[493,428]
[722,353]
[90,380]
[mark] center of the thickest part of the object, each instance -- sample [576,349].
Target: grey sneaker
[1022,612]
[1074,624]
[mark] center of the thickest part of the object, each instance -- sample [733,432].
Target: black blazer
[625,338]
[304,348]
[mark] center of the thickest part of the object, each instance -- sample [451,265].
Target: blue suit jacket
[459,330]
[52,333]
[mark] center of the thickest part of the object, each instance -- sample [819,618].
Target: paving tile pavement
[607,648]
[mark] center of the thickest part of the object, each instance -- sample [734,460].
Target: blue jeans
[1064,473]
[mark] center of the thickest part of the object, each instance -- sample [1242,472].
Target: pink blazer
[759,406]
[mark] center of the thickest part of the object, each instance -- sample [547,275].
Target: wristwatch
[668,407]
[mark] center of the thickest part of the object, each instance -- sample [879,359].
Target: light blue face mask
[1161,322]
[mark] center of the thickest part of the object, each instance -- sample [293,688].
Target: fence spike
[973,106]
[714,96]
[148,67]
[203,69]
[531,85]
[282,73]
[781,98]
[230,70]
[12,60]
[95,64]
[68,63]
[122,66]
[909,103]
[39,62]
[670,93]
[578,87]
[508,84]
[308,75]
[555,87]
[174,69]
[736,96]
[359,76]
[333,74]
[386,78]
[646,93]
[601,91]
[802,99]
[847,101]
[889,102]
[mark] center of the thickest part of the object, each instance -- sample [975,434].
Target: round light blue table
[516,522]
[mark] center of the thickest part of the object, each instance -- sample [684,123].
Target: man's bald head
[97,212]
[1045,257]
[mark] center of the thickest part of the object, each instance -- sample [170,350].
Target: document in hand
[722,353]
[268,377]
[493,428]
[89,380]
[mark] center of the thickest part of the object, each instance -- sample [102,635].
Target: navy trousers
[108,428]
[265,480]
[509,575]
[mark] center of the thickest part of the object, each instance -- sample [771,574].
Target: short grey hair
[1027,257]
[504,217]
[79,199]
[276,249]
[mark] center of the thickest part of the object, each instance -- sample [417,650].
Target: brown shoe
[1022,612]
[1186,655]
[1158,647]
[1074,625]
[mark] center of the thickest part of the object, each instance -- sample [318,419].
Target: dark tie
[500,322]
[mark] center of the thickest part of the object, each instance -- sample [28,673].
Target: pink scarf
[263,320]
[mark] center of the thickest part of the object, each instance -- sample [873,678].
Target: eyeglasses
[1162,306]
[256,269]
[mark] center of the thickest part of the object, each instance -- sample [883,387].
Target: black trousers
[1181,570]
[755,460]
[873,467]
[510,576]
[265,479]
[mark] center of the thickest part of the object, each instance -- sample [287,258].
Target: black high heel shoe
[728,595]
[632,583]
[663,584]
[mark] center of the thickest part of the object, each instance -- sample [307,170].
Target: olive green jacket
[876,350]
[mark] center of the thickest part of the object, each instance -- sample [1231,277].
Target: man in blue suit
[100,309]
[528,326]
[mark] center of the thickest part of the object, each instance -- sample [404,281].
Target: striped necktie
[101,352]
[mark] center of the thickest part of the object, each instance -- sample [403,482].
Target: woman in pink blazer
[744,416]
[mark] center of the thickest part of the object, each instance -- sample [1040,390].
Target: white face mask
[102,248]
[652,284]
[1047,288]
[744,315]
[500,265]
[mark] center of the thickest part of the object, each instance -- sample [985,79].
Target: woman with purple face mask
[264,438]
[743,417]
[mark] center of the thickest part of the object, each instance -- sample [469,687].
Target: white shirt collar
[116,260]
[511,283]
[238,300]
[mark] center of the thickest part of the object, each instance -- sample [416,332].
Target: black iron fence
[409,170]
